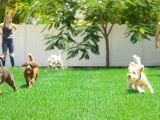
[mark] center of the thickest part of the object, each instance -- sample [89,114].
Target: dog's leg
[150,88]
[27,78]
[129,85]
[30,84]
[28,81]
[35,75]
[11,83]
[55,67]
[33,81]
[1,81]
[62,66]
[140,90]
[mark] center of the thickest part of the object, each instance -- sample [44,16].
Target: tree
[25,11]
[96,16]
[8,7]
[19,9]
[142,19]
[2,9]
[86,18]
[61,14]
[106,14]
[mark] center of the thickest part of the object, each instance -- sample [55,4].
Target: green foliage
[65,41]
[65,21]
[142,18]
[26,9]
[10,7]
[87,18]
[139,32]
[2,9]
[106,11]
[92,14]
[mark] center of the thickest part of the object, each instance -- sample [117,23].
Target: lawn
[80,94]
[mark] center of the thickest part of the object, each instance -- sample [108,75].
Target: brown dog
[5,76]
[30,71]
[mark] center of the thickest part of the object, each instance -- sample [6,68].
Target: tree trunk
[107,51]
[106,34]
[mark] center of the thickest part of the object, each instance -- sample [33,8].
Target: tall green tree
[141,19]
[2,9]
[88,18]
[106,13]
[8,7]
[19,9]
[85,18]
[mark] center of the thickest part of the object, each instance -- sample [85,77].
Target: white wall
[122,49]
[29,39]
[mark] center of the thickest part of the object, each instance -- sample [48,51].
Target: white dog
[136,77]
[55,61]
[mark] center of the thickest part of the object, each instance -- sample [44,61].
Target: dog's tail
[30,57]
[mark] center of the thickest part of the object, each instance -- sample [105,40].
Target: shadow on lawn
[23,86]
[88,68]
[130,91]
[154,75]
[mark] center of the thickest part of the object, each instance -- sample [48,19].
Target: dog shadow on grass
[130,91]
[23,86]
[152,75]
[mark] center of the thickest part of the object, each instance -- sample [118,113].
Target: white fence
[29,39]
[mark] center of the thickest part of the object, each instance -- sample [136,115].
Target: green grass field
[80,94]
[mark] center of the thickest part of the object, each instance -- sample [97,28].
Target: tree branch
[110,29]
[101,29]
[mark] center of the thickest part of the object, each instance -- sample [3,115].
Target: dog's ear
[141,68]
[24,65]
[1,60]
[34,65]
[2,57]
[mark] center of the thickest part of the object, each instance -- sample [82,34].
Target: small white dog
[136,77]
[55,61]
